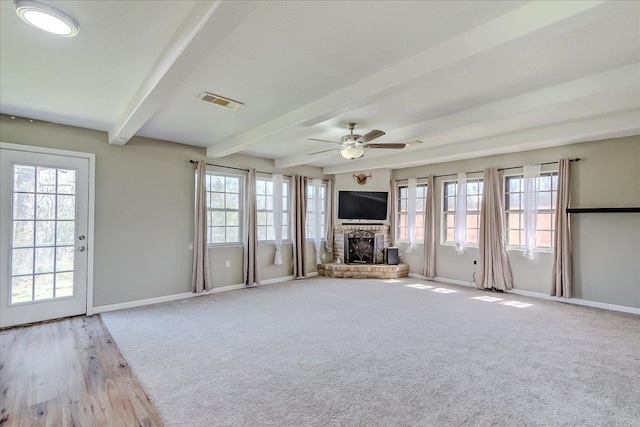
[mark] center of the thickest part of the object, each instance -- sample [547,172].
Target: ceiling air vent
[219,100]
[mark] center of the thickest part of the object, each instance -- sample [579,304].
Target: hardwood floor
[69,373]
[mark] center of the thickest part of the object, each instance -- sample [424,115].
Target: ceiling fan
[352,146]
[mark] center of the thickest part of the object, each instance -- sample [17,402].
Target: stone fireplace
[359,247]
[366,245]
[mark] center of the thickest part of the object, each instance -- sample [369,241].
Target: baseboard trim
[157,300]
[276,280]
[575,301]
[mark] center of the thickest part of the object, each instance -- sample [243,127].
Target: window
[264,203]
[401,214]
[474,200]
[547,196]
[311,213]
[224,207]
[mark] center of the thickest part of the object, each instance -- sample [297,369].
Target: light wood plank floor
[69,373]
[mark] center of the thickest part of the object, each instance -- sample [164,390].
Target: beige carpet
[341,352]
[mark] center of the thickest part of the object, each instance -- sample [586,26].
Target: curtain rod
[577,159]
[193,162]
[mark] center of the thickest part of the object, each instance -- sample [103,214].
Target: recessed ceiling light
[46,18]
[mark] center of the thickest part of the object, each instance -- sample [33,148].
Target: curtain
[251,265]
[494,271]
[300,215]
[393,209]
[531,184]
[411,212]
[277,216]
[316,183]
[429,269]
[329,218]
[201,278]
[561,281]
[460,230]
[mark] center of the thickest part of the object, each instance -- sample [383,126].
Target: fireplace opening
[359,247]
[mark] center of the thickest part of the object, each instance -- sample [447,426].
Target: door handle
[81,249]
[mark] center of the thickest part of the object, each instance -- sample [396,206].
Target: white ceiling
[468,78]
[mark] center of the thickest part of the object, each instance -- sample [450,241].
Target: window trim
[397,212]
[288,209]
[554,211]
[240,210]
[443,224]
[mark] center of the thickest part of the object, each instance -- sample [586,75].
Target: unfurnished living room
[319,213]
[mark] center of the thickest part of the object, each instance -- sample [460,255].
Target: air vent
[219,100]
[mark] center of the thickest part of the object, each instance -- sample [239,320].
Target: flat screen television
[362,205]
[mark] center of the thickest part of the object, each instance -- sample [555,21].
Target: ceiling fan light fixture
[46,18]
[352,153]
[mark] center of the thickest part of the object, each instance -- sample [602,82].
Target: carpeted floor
[328,352]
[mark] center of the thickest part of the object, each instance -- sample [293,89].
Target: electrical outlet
[399,255]
[475,262]
[227,264]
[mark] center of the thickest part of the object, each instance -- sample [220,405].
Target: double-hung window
[402,212]
[514,196]
[264,203]
[474,201]
[224,208]
[311,213]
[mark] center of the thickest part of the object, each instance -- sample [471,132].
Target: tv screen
[362,205]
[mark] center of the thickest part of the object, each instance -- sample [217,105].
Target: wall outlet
[399,255]
[190,246]
[475,262]
[227,263]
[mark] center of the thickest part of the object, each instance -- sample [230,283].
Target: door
[43,236]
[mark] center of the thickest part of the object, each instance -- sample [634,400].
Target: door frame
[91,201]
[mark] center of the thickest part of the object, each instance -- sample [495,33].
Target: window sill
[224,245]
[535,251]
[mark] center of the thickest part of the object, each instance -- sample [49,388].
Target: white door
[43,236]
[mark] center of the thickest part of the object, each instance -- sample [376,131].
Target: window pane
[268,187]
[66,181]
[66,207]
[450,234]
[271,233]
[217,234]
[64,284]
[269,203]
[545,183]
[65,232]
[543,239]
[46,179]
[514,201]
[513,184]
[262,232]
[262,218]
[261,202]
[232,201]
[233,234]
[21,289]
[217,218]
[44,260]
[22,262]
[23,233]
[472,235]
[45,206]
[64,258]
[24,179]
[23,205]
[45,233]
[217,183]
[260,187]
[269,218]
[449,219]
[232,185]
[472,188]
[217,200]
[544,200]
[232,219]
[43,286]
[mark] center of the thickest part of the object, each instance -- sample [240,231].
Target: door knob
[81,249]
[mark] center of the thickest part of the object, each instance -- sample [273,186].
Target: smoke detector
[220,100]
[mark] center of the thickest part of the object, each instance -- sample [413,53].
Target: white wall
[606,247]
[379,181]
[144,212]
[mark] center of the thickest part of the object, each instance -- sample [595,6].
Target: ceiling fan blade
[323,151]
[370,136]
[322,140]
[390,145]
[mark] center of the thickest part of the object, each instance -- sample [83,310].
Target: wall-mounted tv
[362,205]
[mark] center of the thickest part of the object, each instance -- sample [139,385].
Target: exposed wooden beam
[205,27]
[526,21]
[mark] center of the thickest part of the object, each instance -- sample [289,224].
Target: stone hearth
[370,271]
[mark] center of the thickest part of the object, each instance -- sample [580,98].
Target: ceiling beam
[590,129]
[202,31]
[526,21]
[626,77]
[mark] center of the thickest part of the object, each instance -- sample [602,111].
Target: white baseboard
[576,301]
[312,274]
[276,280]
[157,300]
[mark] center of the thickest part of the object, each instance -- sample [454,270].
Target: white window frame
[444,212]
[520,226]
[210,209]
[421,202]
[308,225]
[285,209]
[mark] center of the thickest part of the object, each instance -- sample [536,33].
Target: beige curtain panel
[300,235]
[562,269]
[429,269]
[201,278]
[494,271]
[330,220]
[251,265]
[391,213]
